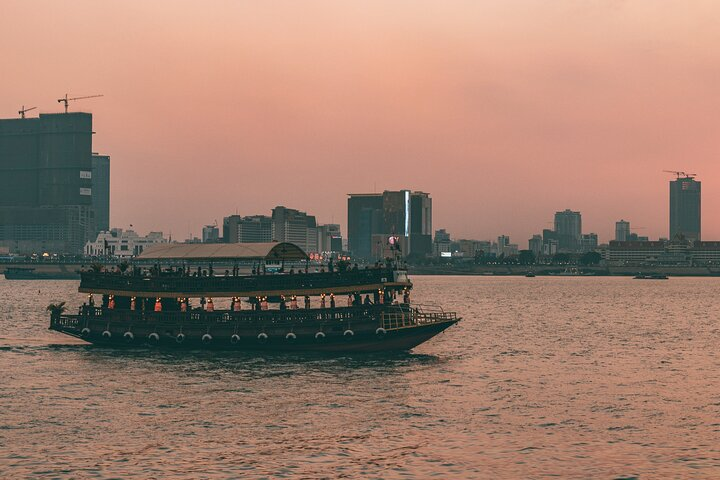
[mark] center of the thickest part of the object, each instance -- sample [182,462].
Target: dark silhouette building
[101,191]
[685,208]
[568,228]
[46,183]
[252,229]
[372,217]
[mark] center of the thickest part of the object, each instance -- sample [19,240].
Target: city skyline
[226,105]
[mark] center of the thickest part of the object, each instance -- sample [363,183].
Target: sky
[504,111]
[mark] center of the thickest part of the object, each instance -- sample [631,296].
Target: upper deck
[174,285]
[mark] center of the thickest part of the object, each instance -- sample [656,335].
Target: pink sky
[504,111]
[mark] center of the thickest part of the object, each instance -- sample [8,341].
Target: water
[572,377]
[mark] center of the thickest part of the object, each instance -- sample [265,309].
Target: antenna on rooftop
[24,110]
[65,99]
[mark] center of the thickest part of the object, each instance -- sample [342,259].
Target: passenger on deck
[307,302]
[367,300]
[332,300]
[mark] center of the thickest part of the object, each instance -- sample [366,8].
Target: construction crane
[24,110]
[65,100]
[681,174]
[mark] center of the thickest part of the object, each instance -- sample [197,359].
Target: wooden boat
[650,276]
[154,306]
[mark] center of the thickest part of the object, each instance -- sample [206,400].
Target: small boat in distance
[572,272]
[650,276]
[166,300]
[530,274]
[28,273]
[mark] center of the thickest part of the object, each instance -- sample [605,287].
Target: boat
[572,272]
[28,273]
[166,299]
[530,274]
[650,276]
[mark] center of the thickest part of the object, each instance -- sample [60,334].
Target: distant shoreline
[558,270]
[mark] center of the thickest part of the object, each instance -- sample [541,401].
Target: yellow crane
[24,110]
[65,99]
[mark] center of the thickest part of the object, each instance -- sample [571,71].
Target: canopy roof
[224,251]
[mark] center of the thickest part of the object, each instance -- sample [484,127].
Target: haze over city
[504,112]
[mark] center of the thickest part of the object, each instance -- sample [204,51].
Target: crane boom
[24,110]
[679,174]
[65,99]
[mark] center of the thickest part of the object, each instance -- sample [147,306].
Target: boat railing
[405,317]
[266,317]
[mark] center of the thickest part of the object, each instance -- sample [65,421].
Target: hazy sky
[505,111]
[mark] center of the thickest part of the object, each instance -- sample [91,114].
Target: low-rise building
[121,243]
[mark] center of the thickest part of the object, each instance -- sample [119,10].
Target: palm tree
[56,309]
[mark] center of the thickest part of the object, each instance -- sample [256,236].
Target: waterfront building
[251,229]
[374,217]
[588,242]
[472,248]
[46,183]
[535,245]
[329,238]
[568,228]
[678,252]
[210,234]
[121,243]
[101,191]
[442,246]
[685,208]
[294,226]
[622,231]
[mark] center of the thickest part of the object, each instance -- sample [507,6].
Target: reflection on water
[579,377]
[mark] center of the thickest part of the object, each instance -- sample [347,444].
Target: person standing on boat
[332,300]
[307,302]
[322,301]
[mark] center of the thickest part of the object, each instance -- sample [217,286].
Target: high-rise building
[589,242]
[294,226]
[622,231]
[210,234]
[372,217]
[329,238]
[46,183]
[101,191]
[535,245]
[685,208]
[568,228]
[252,229]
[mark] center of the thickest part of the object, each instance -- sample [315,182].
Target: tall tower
[622,231]
[568,228]
[685,208]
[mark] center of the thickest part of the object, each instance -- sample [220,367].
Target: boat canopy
[272,251]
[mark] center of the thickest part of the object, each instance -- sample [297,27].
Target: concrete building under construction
[46,184]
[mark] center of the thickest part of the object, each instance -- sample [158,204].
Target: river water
[576,377]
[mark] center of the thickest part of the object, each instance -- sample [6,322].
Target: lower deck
[348,329]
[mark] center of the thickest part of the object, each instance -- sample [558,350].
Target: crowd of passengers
[110,302]
[258,269]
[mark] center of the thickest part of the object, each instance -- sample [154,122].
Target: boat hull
[357,330]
